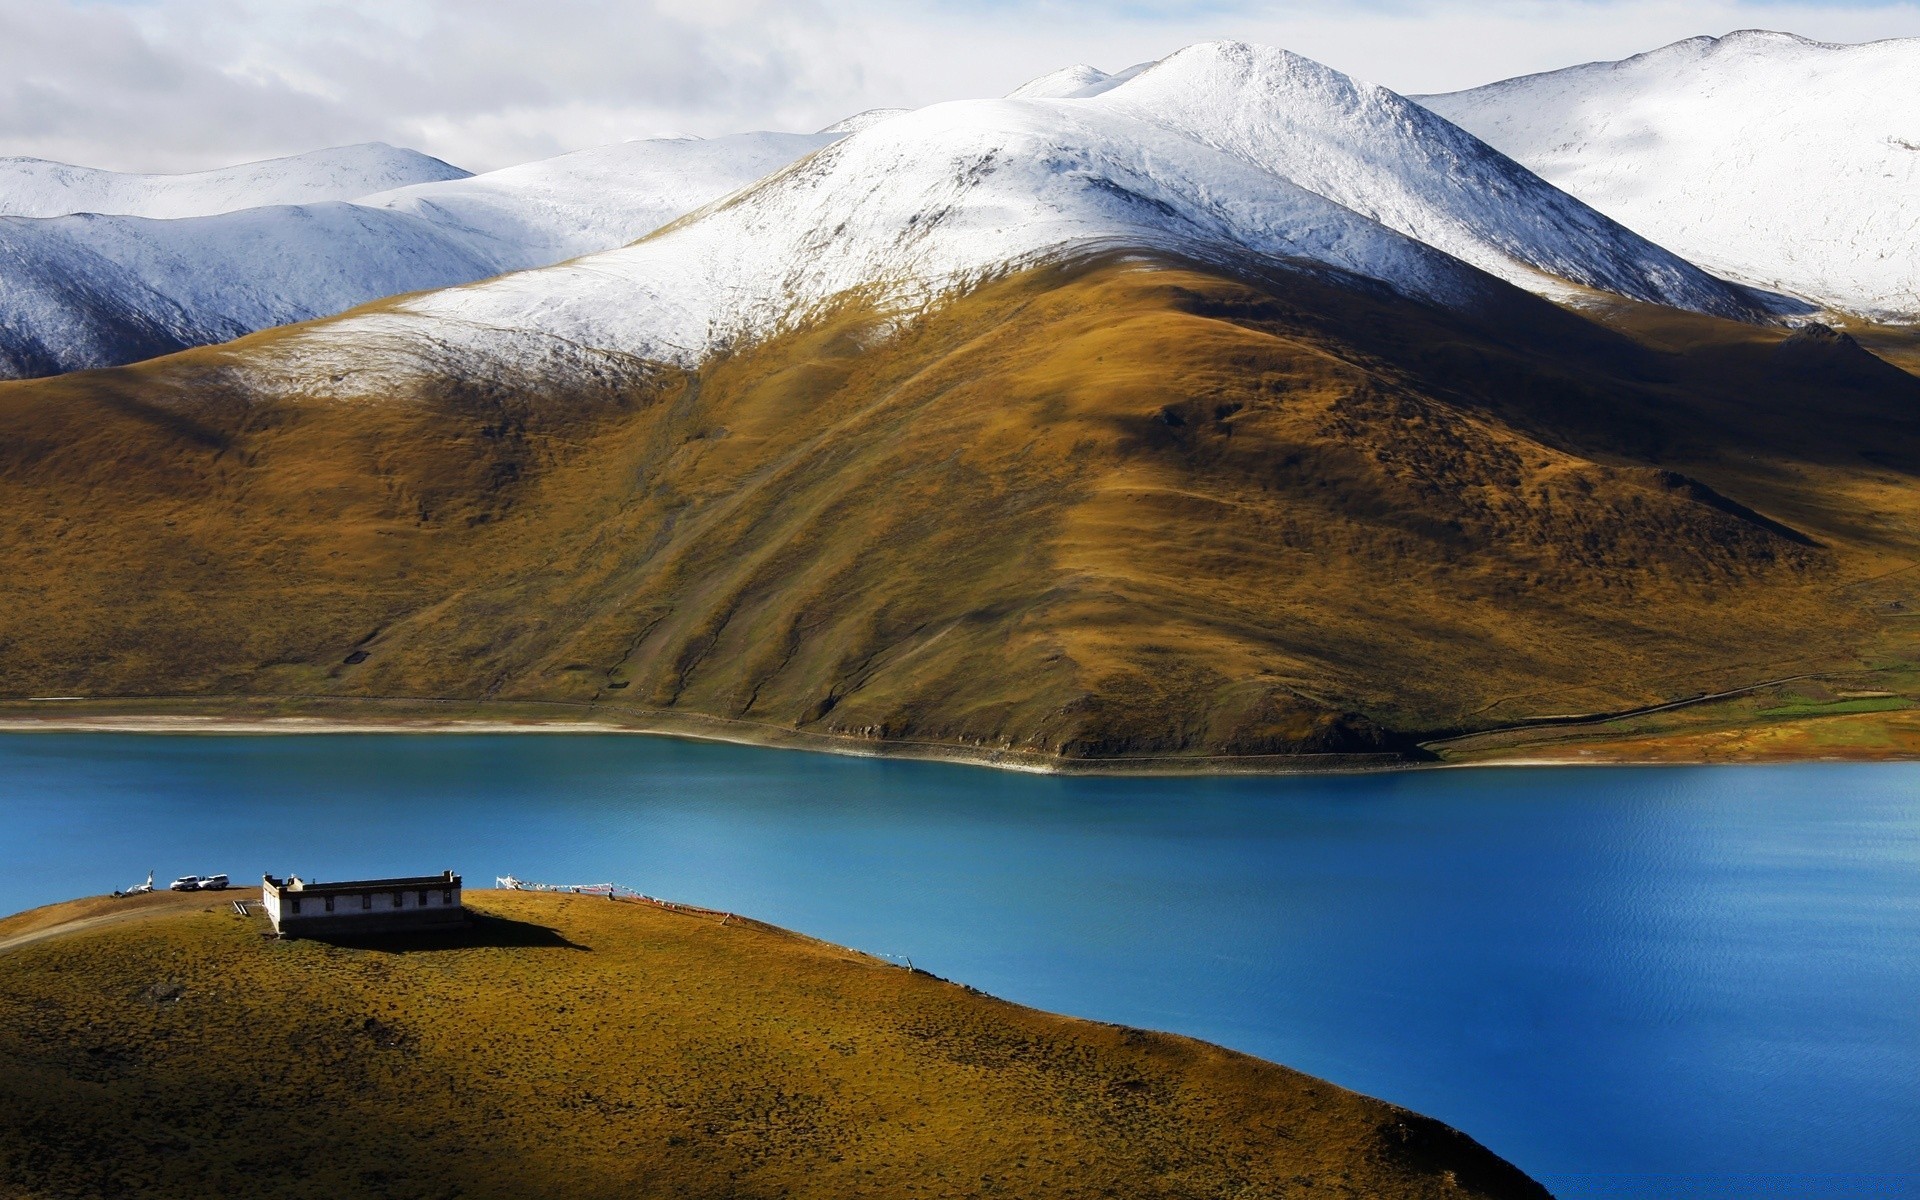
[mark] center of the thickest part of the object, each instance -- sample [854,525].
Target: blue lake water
[1658,983]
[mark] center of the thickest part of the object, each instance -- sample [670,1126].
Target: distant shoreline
[706,729]
[692,727]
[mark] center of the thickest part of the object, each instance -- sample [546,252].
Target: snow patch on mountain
[1785,163]
[33,187]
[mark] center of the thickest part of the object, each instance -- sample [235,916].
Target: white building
[307,908]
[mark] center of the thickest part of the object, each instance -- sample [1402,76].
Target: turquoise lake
[1633,982]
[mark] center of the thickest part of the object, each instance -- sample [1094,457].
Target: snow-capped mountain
[1786,163]
[1222,151]
[85,291]
[34,187]
[1387,158]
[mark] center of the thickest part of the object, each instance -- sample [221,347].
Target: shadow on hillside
[480,931]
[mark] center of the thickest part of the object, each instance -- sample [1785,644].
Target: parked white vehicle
[214,883]
[186,883]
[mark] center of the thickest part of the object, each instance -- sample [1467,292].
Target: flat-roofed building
[308,908]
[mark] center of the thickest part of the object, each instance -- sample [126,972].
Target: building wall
[390,921]
[364,912]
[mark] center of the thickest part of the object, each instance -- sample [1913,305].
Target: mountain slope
[89,291]
[1133,507]
[1219,152]
[32,187]
[1785,163]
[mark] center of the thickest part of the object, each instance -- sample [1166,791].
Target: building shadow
[480,930]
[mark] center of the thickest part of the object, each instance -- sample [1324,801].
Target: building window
[399,899]
[329,903]
[296,908]
[366,901]
[423,897]
[446,897]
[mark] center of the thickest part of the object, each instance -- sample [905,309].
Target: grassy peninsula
[570,1046]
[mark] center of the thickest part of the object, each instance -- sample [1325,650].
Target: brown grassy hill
[1113,510]
[571,1046]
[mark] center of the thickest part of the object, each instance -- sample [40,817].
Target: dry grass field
[1082,514]
[574,1046]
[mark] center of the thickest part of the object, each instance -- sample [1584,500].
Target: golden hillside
[571,1046]
[1117,510]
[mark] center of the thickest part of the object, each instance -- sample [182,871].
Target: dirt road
[92,912]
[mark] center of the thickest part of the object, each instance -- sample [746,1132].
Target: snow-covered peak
[33,187]
[1787,163]
[1388,158]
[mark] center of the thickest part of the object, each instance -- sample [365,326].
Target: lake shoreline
[707,729]
[703,729]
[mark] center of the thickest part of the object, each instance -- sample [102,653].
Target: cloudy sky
[180,84]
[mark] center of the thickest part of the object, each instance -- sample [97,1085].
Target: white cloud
[178,84]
